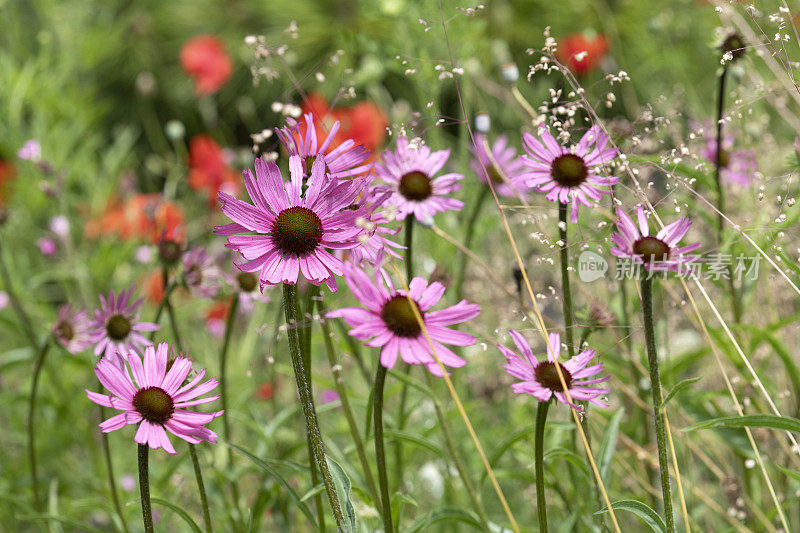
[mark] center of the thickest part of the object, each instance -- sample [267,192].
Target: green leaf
[791,473]
[447,514]
[415,439]
[783,423]
[609,445]
[343,490]
[61,520]
[285,484]
[183,514]
[676,389]
[572,457]
[645,513]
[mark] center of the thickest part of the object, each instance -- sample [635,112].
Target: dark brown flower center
[494,174]
[734,44]
[169,251]
[547,376]
[416,186]
[569,170]
[724,158]
[247,281]
[64,330]
[154,404]
[399,317]
[297,231]
[651,249]
[194,276]
[118,327]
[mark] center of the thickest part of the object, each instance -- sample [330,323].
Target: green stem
[735,302]
[144,488]
[112,480]
[468,236]
[380,454]
[161,307]
[409,258]
[307,400]
[37,369]
[198,474]
[655,385]
[456,457]
[223,384]
[566,298]
[538,458]
[401,414]
[341,390]
[174,325]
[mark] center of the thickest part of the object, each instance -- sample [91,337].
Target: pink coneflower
[156,398]
[510,166]
[540,378]
[569,175]
[410,171]
[202,276]
[245,284]
[657,253]
[292,228]
[116,327]
[374,244]
[343,160]
[72,329]
[736,166]
[389,321]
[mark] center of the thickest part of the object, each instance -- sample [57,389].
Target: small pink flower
[411,172]
[540,378]
[116,327]
[30,151]
[328,396]
[657,253]
[47,246]
[509,163]
[202,276]
[736,166]
[292,225]
[569,176]
[59,225]
[156,398]
[387,320]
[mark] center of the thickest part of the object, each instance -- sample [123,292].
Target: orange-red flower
[582,54]
[154,287]
[205,60]
[208,170]
[7,174]
[145,216]
[364,122]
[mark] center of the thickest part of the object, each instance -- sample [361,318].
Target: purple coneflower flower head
[116,327]
[510,166]
[736,166]
[292,229]
[72,329]
[411,173]
[569,175]
[202,276]
[344,161]
[156,398]
[246,286]
[659,252]
[387,320]
[540,378]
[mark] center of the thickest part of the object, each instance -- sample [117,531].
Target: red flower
[365,122]
[154,287]
[581,54]
[7,174]
[265,391]
[208,170]
[205,60]
[146,216]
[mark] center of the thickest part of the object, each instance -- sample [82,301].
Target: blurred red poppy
[154,287]
[146,216]
[7,174]
[364,122]
[205,60]
[582,54]
[265,391]
[208,170]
